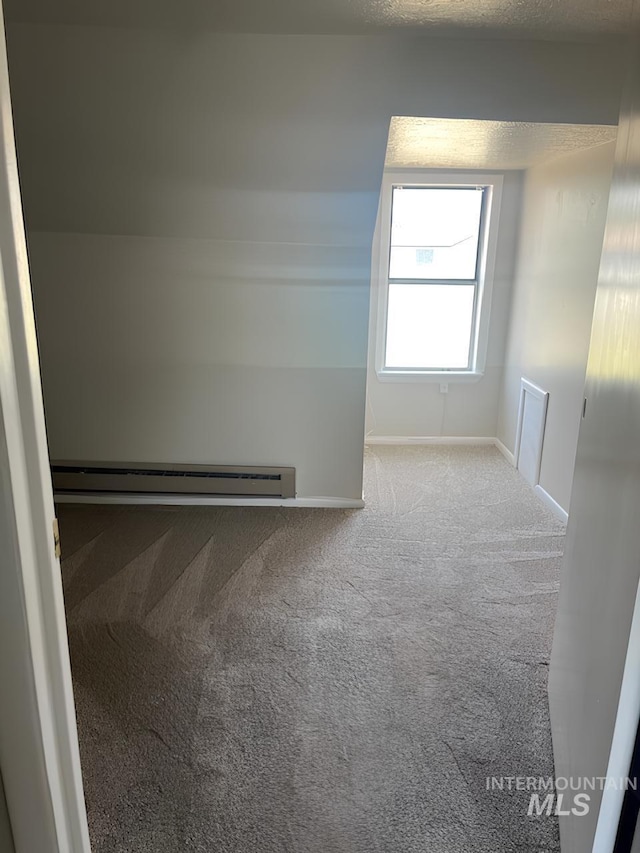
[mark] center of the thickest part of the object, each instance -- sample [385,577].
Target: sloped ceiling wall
[435,143]
[133,131]
[555,19]
[201,208]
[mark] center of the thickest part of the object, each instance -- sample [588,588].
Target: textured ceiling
[468,144]
[533,18]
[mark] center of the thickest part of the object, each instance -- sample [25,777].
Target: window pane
[429,325]
[434,232]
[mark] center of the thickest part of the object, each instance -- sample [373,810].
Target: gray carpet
[314,681]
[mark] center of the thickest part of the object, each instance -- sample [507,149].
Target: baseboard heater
[163,479]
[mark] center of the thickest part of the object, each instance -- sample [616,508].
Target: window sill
[442,376]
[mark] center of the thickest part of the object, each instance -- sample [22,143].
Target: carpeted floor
[317,681]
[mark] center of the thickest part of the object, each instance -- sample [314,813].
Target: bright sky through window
[433,267]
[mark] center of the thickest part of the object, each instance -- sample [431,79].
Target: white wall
[563,220]
[417,408]
[201,209]
[599,583]
[201,350]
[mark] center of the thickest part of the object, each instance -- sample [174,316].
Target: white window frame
[486,270]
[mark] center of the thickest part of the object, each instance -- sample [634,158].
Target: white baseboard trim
[551,504]
[508,455]
[203,500]
[429,439]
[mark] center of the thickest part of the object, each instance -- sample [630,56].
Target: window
[435,275]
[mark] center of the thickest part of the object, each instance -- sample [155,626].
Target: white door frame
[39,752]
[624,736]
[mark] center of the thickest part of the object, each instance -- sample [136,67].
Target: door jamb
[33,563]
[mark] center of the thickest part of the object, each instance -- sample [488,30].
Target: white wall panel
[531,427]
[563,218]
